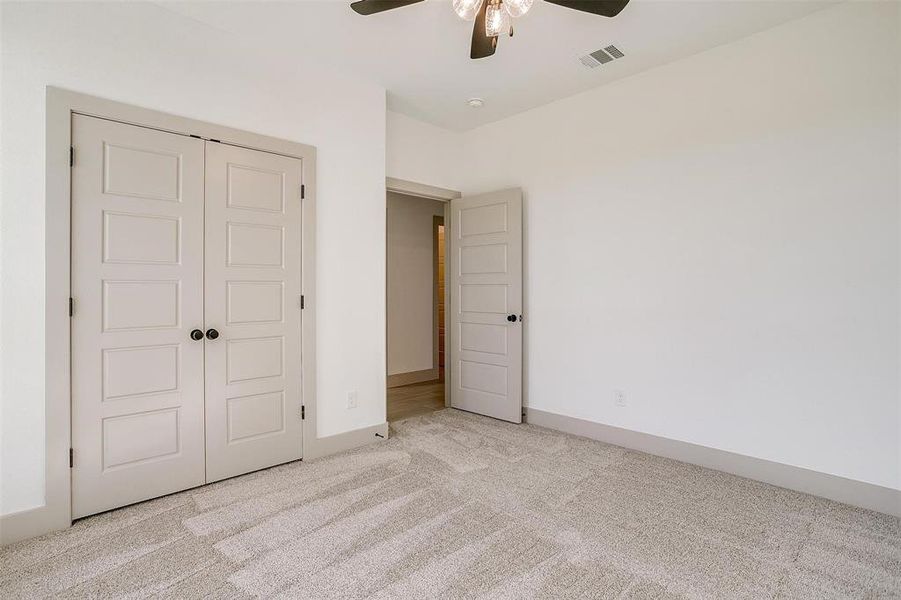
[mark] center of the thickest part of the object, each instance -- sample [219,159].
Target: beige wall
[719,239]
[423,153]
[142,54]
[410,282]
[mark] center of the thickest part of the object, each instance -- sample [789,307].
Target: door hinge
[303,412]
[71,156]
[301,302]
[71,306]
[71,458]
[303,191]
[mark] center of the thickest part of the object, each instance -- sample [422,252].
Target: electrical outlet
[619,397]
[352,399]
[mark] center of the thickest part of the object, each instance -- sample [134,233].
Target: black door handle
[511,318]
[196,335]
[211,334]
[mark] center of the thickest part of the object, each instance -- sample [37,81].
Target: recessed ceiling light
[475,102]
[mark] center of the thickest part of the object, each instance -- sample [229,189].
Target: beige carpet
[460,506]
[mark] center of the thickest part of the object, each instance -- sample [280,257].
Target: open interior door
[486,304]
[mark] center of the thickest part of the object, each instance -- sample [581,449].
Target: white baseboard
[848,491]
[348,441]
[29,523]
[399,379]
[40,520]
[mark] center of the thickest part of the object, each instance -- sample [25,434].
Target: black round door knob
[511,318]
[211,334]
[196,335]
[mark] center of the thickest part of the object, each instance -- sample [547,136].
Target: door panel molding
[137,376]
[485,276]
[253,421]
[61,105]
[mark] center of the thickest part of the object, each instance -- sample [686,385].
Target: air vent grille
[614,51]
[588,61]
[601,56]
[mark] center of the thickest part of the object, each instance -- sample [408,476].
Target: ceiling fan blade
[370,7]
[482,44]
[604,8]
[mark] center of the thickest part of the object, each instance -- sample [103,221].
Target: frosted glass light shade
[497,20]
[467,9]
[517,8]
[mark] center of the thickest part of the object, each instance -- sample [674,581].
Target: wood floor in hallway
[414,400]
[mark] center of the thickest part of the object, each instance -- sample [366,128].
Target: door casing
[61,104]
[429,192]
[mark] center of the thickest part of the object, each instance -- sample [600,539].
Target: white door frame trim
[61,104]
[422,190]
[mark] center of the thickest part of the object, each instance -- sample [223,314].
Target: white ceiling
[420,53]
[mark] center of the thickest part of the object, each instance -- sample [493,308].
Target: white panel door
[486,304]
[253,288]
[137,284]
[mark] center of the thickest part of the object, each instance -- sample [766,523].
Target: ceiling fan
[494,17]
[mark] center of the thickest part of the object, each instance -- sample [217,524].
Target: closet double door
[186,328]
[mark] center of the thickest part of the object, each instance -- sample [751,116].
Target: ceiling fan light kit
[494,17]
[497,19]
[467,9]
[517,8]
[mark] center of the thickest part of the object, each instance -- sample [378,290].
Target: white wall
[728,224]
[423,153]
[145,55]
[411,282]
[719,238]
